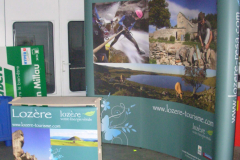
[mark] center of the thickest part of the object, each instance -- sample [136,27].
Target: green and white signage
[22,71]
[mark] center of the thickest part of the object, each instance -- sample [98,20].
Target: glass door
[76,54]
[72,47]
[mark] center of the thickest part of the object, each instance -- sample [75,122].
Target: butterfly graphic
[109,133]
[105,105]
[54,154]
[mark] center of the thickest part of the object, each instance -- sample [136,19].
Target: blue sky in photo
[36,141]
[207,6]
[190,8]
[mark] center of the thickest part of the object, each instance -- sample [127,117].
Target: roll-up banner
[154,63]
[22,71]
[227,78]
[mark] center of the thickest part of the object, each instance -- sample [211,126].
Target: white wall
[2,24]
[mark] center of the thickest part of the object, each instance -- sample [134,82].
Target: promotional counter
[60,128]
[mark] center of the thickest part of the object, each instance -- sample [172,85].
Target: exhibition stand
[162,91]
[56,128]
[162,87]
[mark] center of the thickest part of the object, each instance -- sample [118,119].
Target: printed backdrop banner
[178,130]
[22,72]
[154,63]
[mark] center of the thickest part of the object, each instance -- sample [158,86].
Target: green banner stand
[227,78]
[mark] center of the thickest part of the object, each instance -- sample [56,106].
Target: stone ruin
[18,142]
[182,55]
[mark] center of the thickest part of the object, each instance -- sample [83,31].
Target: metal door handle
[63,65]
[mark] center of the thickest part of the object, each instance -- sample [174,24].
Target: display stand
[67,127]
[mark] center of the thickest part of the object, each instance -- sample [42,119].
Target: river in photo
[164,82]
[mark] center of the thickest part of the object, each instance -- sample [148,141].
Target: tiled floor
[117,152]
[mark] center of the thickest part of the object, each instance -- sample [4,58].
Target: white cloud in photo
[174,9]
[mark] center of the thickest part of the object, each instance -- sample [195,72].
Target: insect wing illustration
[109,133]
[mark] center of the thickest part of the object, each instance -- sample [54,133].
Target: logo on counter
[89,114]
[29,114]
[210,133]
[70,114]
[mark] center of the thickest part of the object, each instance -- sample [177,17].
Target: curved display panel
[154,64]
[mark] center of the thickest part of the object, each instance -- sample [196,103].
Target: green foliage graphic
[210,132]
[90,113]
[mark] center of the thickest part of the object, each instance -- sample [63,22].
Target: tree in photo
[194,76]
[159,14]
[212,18]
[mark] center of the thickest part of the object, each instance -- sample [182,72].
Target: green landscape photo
[74,137]
[198,89]
[73,143]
